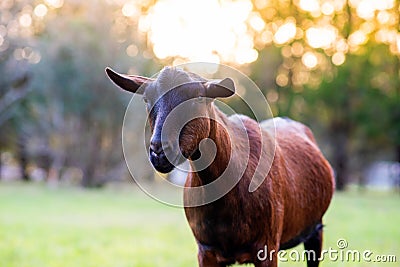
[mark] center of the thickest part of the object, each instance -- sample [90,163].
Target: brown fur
[287,207]
[294,196]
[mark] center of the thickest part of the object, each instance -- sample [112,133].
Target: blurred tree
[333,64]
[84,115]
[14,85]
[339,69]
[354,112]
[74,113]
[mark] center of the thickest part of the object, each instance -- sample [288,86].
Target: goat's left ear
[220,88]
[129,83]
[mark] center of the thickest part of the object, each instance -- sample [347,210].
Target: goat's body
[293,198]
[308,177]
[295,182]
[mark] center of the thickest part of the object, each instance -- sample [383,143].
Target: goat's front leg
[207,258]
[267,256]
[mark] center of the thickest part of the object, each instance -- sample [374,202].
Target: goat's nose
[156,147]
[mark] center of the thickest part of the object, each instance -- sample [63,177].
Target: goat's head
[179,109]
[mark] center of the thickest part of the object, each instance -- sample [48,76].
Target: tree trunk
[54,168]
[397,175]
[88,176]
[89,170]
[1,164]
[340,158]
[23,158]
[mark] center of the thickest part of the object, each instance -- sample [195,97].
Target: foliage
[72,116]
[338,72]
[331,64]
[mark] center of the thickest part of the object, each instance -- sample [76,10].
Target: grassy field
[68,227]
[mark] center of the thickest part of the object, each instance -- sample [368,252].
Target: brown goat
[294,193]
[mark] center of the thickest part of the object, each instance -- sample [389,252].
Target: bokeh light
[129,9]
[321,37]
[309,60]
[309,5]
[132,50]
[25,20]
[40,10]
[231,32]
[55,3]
[338,58]
[202,31]
[234,31]
[285,33]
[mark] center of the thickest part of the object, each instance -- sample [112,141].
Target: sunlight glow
[229,31]
[383,17]
[309,60]
[342,46]
[282,80]
[132,50]
[285,33]
[386,36]
[309,5]
[25,20]
[207,30]
[260,4]
[40,10]
[321,37]
[55,3]
[366,8]
[338,58]
[256,22]
[327,8]
[357,38]
[367,27]
[129,9]
[297,49]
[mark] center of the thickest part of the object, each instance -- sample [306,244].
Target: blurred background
[331,64]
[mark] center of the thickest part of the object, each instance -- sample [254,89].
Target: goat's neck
[226,135]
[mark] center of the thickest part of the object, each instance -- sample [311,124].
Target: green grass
[63,227]
[367,221]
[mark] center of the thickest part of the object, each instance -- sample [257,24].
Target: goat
[294,193]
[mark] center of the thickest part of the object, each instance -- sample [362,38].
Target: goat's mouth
[161,163]
[165,164]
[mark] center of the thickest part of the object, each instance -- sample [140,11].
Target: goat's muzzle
[158,157]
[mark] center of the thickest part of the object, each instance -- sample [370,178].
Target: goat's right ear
[220,88]
[129,83]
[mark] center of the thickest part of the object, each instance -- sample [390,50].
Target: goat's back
[308,178]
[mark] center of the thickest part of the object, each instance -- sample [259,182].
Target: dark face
[179,108]
[179,121]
